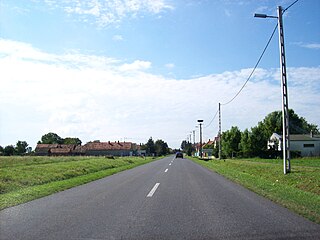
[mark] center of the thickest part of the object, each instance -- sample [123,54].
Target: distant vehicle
[179,155]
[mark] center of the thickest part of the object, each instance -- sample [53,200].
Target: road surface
[166,199]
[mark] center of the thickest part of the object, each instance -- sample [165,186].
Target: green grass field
[24,179]
[298,191]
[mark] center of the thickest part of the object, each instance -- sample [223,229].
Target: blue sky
[132,69]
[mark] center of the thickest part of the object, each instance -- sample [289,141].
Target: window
[308,145]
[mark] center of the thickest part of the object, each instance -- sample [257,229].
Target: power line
[264,50]
[212,119]
[259,57]
[290,6]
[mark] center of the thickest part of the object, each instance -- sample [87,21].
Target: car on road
[179,155]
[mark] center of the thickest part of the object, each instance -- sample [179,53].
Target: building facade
[304,145]
[89,149]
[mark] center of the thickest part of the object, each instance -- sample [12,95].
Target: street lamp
[284,88]
[200,124]
[194,137]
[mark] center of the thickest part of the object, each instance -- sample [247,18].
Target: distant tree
[245,146]
[187,147]
[21,147]
[9,150]
[272,123]
[150,147]
[299,125]
[253,142]
[1,150]
[259,140]
[161,148]
[184,145]
[51,138]
[230,141]
[70,140]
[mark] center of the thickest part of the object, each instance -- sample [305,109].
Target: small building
[110,148]
[44,149]
[90,149]
[207,150]
[63,150]
[207,153]
[55,149]
[305,145]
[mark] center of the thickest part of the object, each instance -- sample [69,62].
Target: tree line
[23,148]
[187,147]
[254,142]
[157,148]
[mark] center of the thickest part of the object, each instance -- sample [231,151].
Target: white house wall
[300,146]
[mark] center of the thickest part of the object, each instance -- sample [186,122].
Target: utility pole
[194,136]
[284,91]
[200,123]
[219,134]
[285,108]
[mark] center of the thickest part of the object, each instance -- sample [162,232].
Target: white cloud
[117,38]
[169,65]
[135,66]
[109,12]
[96,98]
[262,9]
[311,45]
[272,11]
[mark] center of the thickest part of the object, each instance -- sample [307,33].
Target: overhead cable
[290,6]
[264,50]
[212,119]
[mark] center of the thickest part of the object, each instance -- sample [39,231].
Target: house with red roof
[89,149]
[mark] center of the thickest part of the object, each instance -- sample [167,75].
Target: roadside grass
[298,191]
[23,179]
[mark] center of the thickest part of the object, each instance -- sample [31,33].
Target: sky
[128,70]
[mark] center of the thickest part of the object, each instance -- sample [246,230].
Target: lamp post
[200,124]
[194,136]
[284,88]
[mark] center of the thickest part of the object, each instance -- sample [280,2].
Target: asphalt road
[166,199]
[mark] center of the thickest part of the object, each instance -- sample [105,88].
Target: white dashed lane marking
[153,190]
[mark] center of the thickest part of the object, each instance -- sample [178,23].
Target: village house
[206,152]
[56,149]
[111,148]
[305,145]
[89,149]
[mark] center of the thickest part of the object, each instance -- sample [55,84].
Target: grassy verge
[23,179]
[298,191]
